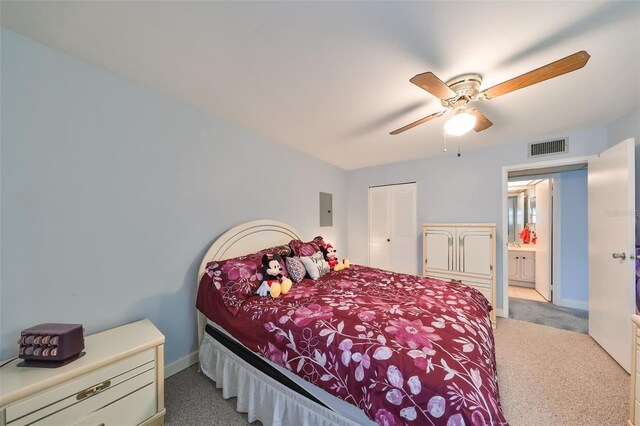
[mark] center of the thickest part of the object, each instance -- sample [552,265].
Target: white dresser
[120,381]
[462,252]
[634,406]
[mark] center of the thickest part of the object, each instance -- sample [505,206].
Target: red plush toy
[332,258]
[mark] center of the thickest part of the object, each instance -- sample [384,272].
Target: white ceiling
[332,78]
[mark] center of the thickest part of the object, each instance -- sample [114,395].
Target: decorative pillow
[315,265]
[238,279]
[306,249]
[295,268]
[283,251]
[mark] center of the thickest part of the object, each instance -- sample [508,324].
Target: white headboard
[246,238]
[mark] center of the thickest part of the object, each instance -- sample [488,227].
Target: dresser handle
[93,390]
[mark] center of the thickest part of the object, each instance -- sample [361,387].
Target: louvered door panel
[379,228]
[403,229]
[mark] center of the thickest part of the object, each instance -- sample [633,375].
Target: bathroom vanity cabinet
[522,265]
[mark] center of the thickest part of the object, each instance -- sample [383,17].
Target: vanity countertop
[524,247]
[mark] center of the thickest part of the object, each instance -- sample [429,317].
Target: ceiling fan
[456,93]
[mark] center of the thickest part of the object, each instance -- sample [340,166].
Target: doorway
[546,262]
[536,253]
[611,189]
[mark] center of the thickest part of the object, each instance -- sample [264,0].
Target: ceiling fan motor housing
[459,91]
[467,88]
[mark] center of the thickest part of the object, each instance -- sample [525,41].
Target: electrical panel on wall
[326,209]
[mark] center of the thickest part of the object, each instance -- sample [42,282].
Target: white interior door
[612,233]
[379,227]
[404,235]
[543,234]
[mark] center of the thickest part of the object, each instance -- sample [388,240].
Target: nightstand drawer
[71,401]
[133,409]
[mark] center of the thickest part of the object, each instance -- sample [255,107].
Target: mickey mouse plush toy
[273,282]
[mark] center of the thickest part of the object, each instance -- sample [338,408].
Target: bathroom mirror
[512,205]
[532,210]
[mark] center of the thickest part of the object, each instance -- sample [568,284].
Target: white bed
[443,324]
[259,395]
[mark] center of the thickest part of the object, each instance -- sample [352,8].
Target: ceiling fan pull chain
[444,141]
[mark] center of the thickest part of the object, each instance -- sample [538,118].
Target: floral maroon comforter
[405,349]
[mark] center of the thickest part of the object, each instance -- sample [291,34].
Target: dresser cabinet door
[475,251]
[438,249]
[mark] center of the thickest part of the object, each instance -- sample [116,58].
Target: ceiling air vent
[555,146]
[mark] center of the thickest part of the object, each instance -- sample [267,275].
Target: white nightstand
[120,381]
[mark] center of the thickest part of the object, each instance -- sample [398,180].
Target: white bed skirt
[260,396]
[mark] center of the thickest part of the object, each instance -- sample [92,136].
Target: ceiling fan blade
[432,84]
[554,69]
[418,122]
[482,122]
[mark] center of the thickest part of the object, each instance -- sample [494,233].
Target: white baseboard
[572,303]
[500,313]
[526,284]
[180,364]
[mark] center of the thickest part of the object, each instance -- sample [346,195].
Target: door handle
[622,255]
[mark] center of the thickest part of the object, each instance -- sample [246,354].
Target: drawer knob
[93,390]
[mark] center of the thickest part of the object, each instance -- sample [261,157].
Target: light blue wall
[628,126]
[452,189]
[111,193]
[574,230]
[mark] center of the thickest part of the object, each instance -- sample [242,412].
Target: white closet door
[404,235]
[379,227]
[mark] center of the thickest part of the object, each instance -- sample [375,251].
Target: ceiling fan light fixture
[461,122]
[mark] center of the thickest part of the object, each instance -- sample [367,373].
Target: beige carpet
[547,376]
